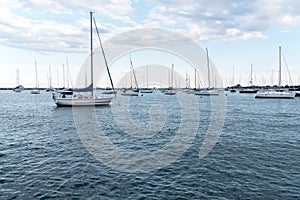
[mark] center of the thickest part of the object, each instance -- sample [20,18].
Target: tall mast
[251,79]
[147,78]
[18,80]
[64,76]
[233,76]
[172,75]
[92,78]
[279,77]
[50,77]
[195,78]
[208,72]
[36,79]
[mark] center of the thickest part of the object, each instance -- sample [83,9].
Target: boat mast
[279,75]
[18,80]
[64,76]
[92,78]
[147,78]
[195,79]
[172,75]
[208,72]
[251,79]
[50,78]
[233,76]
[36,78]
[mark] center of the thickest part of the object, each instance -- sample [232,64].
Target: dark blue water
[256,156]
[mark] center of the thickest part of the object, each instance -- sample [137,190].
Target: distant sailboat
[209,91]
[232,90]
[171,91]
[131,91]
[146,90]
[80,100]
[18,88]
[50,88]
[249,90]
[279,93]
[36,90]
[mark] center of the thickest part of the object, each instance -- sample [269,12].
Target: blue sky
[237,33]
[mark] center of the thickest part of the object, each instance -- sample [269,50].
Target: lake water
[256,156]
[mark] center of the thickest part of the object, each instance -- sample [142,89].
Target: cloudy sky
[237,33]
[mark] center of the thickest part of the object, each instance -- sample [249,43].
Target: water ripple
[256,157]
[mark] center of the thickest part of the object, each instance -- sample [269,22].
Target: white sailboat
[80,100]
[146,90]
[209,91]
[18,88]
[36,89]
[249,90]
[171,91]
[50,88]
[277,94]
[131,91]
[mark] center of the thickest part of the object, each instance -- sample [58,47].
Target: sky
[237,34]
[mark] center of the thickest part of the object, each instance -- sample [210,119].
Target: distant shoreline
[239,87]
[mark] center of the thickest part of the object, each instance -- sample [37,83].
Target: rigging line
[291,80]
[111,82]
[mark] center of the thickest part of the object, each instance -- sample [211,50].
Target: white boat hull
[170,92]
[207,93]
[276,95]
[96,101]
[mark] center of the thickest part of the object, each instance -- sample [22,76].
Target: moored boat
[63,99]
[278,93]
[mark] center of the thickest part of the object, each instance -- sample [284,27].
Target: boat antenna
[103,53]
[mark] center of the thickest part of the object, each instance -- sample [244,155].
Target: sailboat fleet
[86,96]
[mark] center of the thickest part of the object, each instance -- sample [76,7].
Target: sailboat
[279,93]
[80,100]
[18,88]
[171,91]
[146,90]
[36,89]
[131,91]
[50,88]
[209,91]
[249,90]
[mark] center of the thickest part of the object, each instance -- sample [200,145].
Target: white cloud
[59,26]
[221,19]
